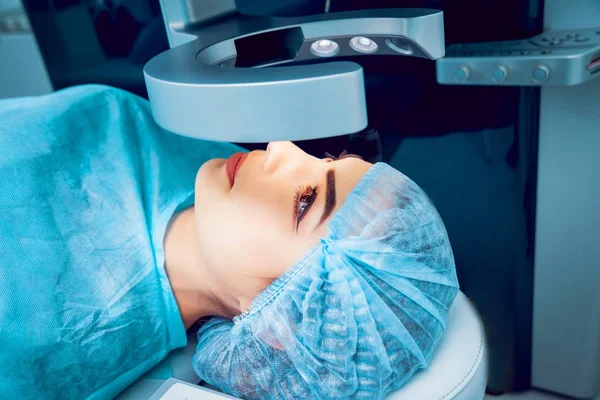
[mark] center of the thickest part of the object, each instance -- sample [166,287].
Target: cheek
[248,232]
[239,236]
[264,204]
[263,233]
[266,238]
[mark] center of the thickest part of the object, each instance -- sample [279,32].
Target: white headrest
[458,370]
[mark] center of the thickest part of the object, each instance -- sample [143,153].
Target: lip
[233,166]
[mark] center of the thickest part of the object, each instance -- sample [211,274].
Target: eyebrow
[329,197]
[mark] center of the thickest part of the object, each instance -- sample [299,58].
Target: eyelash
[344,154]
[303,195]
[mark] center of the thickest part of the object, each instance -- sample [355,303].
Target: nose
[282,153]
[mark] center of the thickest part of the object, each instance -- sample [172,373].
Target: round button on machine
[363,45]
[461,74]
[325,48]
[499,74]
[540,74]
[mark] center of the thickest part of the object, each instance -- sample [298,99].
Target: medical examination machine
[219,57]
[244,78]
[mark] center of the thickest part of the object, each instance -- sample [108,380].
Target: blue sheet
[88,183]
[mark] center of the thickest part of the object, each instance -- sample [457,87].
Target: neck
[188,279]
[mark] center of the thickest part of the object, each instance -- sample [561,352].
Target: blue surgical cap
[356,316]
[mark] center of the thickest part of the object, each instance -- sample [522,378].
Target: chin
[212,176]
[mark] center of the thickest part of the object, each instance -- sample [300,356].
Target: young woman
[326,278]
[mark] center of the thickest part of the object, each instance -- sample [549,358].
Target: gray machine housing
[213,84]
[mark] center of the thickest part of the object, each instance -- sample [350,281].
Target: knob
[461,74]
[540,74]
[499,74]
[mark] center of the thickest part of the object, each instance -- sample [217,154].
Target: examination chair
[458,370]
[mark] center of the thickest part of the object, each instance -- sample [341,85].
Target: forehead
[348,172]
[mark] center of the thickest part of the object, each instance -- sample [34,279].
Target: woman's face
[277,208]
